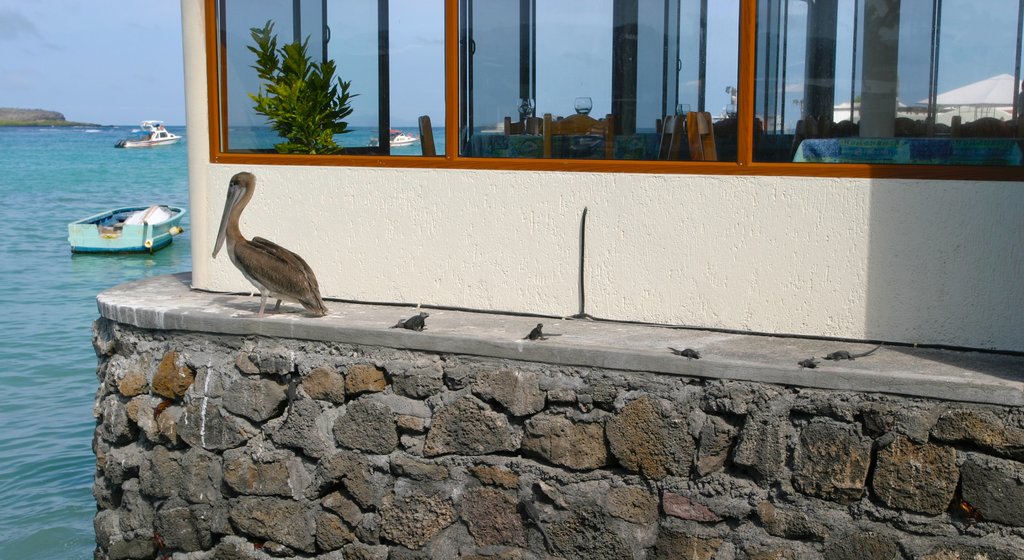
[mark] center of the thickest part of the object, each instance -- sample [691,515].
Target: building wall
[928,262]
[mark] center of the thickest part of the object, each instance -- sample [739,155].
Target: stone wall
[232,447]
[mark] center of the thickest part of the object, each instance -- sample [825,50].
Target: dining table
[911,150]
[576,146]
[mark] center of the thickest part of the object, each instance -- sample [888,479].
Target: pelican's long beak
[235,193]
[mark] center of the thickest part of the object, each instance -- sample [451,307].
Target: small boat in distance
[133,229]
[157,136]
[397,139]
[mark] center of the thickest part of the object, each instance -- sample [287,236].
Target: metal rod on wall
[702,71]
[1017,63]
[384,77]
[853,60]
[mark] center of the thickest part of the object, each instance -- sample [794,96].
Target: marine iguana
[536,333]
[414,323]
[810,363]
[844,355]
[686,353]
[293,386]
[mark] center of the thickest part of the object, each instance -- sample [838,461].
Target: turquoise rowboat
[134,229]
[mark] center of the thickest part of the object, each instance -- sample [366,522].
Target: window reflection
[641,64]
[888,81]
[391,51]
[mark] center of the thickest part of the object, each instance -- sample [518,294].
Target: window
[889,81]
[897,88]
[622,65]
[379,46]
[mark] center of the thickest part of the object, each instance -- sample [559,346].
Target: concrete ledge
[168,303]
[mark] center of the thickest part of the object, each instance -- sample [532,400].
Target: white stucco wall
[929,262]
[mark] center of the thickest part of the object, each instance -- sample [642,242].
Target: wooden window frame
[743,166]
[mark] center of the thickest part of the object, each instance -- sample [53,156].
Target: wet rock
[915,477]
[468,427]
[832,461]
[173,377]
[412,521]
[367,425]
[648,441]
[558,440]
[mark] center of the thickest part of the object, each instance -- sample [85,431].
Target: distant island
[35,117]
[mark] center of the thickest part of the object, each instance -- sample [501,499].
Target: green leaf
[302,99]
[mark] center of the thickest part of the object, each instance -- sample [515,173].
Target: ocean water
[49,177]
[244,138]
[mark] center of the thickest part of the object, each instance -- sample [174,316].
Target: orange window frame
[744,164]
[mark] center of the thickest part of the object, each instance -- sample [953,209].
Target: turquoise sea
[49,177]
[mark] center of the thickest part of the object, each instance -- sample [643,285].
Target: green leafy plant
[302,99]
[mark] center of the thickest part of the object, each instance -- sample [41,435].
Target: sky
[109,62]
[120,61]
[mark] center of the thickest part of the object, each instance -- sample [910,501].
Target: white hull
[150,143]
[157,136]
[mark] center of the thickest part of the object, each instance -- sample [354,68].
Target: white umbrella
[994,91]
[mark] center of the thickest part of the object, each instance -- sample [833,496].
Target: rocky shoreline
[35,117]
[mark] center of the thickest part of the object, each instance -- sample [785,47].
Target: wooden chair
[670,137]
[580,125]
[701,135]
[532,125]
[427,136]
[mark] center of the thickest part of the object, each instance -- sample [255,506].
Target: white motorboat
[397,139]
[157,135]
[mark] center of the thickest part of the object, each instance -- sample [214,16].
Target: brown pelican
[274,270]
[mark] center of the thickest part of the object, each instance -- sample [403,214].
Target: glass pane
[348,33]
[245,129]
[888,81]
[551,80]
